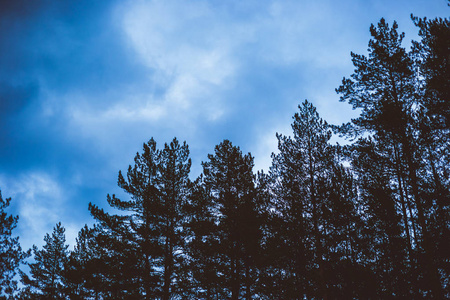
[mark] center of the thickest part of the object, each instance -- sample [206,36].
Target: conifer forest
[368,219]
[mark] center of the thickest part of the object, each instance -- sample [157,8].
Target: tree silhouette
[11,254]
[48,271]
[309,207]
[228,178]
[146,242]
[384,86]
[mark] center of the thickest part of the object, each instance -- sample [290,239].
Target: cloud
[185,45]
[39,201]
[211,63]
[189,65]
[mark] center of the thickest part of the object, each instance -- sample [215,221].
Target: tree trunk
[168,269]
[435,282]
[234,278]
[248,295]
[317,235]
[402,200]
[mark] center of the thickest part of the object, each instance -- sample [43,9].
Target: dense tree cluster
[368,220]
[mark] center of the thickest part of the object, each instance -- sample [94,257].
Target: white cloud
[196,53]
[40,203]
[186,45]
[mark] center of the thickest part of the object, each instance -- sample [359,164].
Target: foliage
[144,246]
[48,271]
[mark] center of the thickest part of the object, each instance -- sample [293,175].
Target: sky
[83,84]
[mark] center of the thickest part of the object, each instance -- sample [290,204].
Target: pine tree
[383,246]
[384,86]
[11,254]
[431,54]
[305,221]
[48,271]
[144,245]
[174,187]
[295,186]
[229,180]
[433,118]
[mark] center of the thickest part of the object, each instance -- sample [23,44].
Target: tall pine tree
[384,86]
[382,242]
[229,181]
[433,77]
[306,210]
[146,242]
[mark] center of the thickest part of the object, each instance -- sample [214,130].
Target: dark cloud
[56,48]
[17,87]
[63,45]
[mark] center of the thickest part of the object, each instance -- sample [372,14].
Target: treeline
[368,220]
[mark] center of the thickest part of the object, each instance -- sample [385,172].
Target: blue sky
[84,83]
